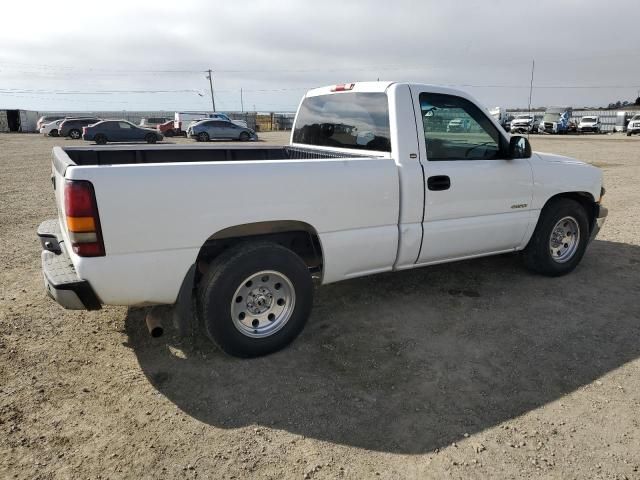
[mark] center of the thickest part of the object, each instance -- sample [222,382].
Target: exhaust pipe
[154,325]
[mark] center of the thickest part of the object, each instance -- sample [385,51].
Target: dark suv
[72,127]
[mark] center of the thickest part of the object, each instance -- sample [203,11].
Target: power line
[96,92]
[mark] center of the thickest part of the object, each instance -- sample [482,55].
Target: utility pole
[241,101]
[533,67]
[210,77]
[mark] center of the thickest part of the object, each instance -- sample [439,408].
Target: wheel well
[583,198]
[299,237]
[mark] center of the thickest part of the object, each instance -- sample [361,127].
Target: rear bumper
[601,217]
[60,278]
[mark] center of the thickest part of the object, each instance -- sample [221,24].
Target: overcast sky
[276,49]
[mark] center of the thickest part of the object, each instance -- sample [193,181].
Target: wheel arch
[298,236]
[583,198]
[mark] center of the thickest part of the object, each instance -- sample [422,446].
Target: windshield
[589,119]
[523,117]
[347,120]
[636,117]
[551,117]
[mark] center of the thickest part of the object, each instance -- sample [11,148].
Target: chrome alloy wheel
[263,304]
[564,240]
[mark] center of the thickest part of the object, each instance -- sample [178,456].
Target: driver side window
[456,129]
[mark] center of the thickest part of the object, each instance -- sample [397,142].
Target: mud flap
[183,311]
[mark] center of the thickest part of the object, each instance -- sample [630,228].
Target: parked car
[72,127]
[522,124]
[183,120]
[206,130]
[459,125]
[633,126]
[181,225]
[119,131]
[153,122]
[47,119]
[51,128]
[589,124]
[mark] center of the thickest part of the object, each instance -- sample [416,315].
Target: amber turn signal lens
[81,224]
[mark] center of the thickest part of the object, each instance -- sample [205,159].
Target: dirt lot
[477,369]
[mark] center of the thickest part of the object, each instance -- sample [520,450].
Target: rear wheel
[100,139]
[559,240]
[151,138]
[244,137]
[75,134]
[255,299]
[203,137]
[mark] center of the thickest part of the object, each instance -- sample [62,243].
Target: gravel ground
[476,369]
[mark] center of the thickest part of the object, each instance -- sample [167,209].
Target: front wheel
[203,137]
[255,299]
[244,137]
[151,138]
[559,240]
[54,132]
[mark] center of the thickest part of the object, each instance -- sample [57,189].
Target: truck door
[477,201]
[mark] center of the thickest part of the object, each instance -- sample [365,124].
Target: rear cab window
[356,120]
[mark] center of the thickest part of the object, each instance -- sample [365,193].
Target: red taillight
[84,130]
[343,87]
[83,222]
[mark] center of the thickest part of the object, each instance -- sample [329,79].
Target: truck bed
[140,154]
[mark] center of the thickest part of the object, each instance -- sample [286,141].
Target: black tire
[537,255]
[75,134]
[203,137]
[244,137]
[54,132]
[150,138]
[100,139]
[628,134]
[217,290]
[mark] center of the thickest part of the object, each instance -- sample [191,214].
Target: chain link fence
[260,122]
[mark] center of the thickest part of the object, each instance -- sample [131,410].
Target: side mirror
[519,147]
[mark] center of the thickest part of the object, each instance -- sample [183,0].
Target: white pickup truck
[372,181]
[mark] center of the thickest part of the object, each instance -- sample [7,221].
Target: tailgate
[57,179]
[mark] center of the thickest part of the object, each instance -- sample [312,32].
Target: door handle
[438,182]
